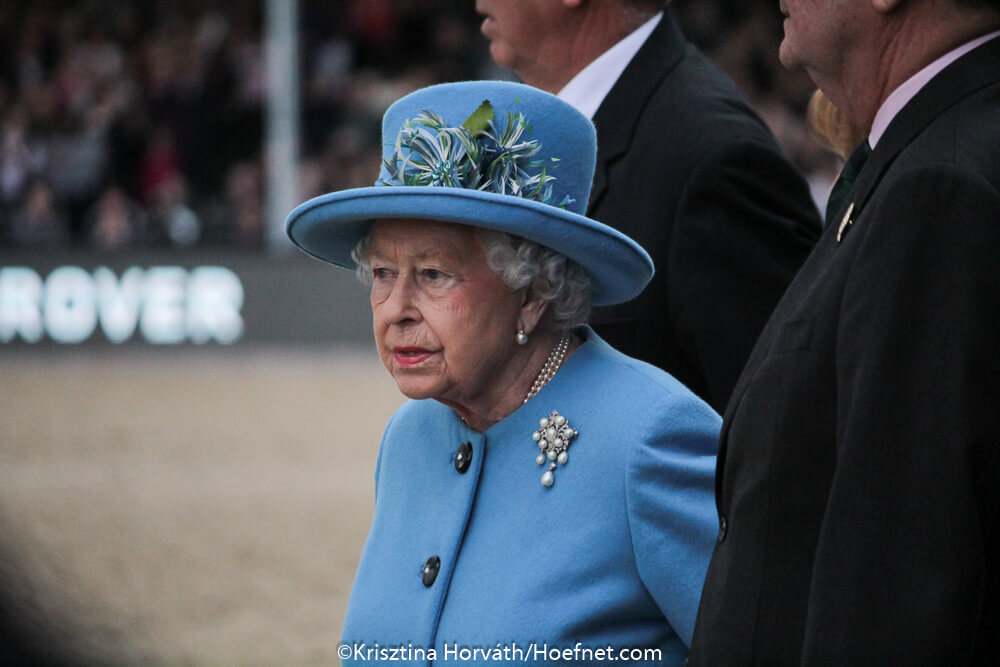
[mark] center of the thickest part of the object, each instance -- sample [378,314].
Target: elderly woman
[542,492]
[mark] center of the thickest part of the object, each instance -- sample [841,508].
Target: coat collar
[619,113]
[970,73]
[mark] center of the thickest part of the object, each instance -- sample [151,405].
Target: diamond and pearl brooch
[553,438]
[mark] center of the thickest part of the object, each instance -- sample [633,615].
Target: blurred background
[190,409]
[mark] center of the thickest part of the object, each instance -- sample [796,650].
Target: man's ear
[532,310]
[886,6]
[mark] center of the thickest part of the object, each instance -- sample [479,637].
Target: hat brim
[329,227]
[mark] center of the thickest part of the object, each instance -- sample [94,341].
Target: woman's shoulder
[636,384]
[605,394]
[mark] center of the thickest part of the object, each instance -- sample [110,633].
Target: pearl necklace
[552,364]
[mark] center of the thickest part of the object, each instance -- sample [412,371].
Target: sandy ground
[190,508]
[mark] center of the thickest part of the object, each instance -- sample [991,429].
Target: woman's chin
[416,388]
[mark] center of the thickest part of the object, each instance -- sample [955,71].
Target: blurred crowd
[140,123]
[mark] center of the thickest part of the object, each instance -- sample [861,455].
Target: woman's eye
[433,274]
[381,273]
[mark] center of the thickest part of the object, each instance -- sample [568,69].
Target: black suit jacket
[858,479]
[687,169]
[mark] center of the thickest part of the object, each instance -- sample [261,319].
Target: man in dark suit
[858,468]
[684,166]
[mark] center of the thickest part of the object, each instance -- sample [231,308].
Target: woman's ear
[532,310]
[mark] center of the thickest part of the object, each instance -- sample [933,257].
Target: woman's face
[444,322]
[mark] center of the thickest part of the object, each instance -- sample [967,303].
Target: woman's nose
[400,305]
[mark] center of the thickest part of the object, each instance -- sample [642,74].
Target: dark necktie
[844,187]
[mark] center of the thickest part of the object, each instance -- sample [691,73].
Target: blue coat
[613,554]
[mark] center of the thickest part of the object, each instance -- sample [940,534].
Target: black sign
[168,299]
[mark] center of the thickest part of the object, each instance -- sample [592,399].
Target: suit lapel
[620,111]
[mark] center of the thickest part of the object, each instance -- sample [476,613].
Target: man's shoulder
[951,120]
[959,144]
[692,99]
[950,167]
[966,134]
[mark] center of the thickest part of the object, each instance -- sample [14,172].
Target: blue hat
[491,154]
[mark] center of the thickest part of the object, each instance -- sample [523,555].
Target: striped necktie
[844,186]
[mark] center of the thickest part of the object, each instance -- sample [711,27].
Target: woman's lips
[410,356]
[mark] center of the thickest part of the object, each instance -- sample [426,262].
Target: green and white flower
[479,155]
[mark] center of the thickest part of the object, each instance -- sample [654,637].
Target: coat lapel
[620,111]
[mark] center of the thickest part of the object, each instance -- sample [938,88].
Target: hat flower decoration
[476,156]
[483,153]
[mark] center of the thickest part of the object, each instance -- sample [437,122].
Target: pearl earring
[520,337]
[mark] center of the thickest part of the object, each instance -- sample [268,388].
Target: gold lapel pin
[845,222]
